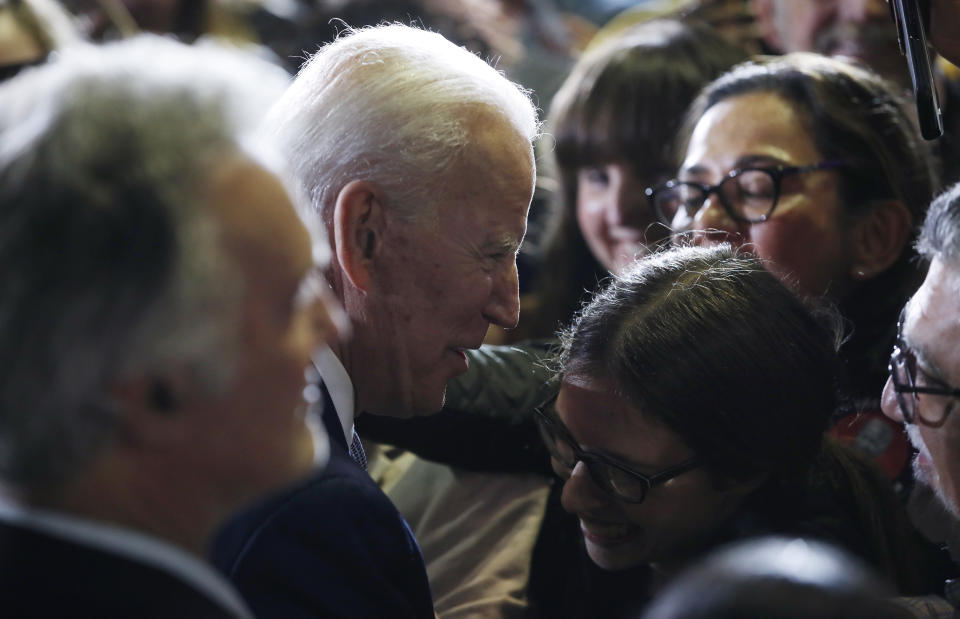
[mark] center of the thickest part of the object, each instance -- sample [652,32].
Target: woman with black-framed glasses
[694,398]
[815,166]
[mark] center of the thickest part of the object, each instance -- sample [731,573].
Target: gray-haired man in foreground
[156,318]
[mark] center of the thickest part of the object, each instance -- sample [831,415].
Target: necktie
[357,453]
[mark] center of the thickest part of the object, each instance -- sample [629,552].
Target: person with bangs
[614,120]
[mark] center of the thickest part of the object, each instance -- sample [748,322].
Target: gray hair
[110,266]
[391,104]
[940,235]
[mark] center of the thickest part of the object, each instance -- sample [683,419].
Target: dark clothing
[45,576]
[333,546]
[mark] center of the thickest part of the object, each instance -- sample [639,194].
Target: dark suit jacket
[45,576]
[333,546]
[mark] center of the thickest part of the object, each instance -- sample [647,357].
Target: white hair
[391,104]
[110,265]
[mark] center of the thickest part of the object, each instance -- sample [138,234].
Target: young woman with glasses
[815,166]
[696,390]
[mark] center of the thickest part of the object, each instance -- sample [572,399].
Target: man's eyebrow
[503,243]
[926,361]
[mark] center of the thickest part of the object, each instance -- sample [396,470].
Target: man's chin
[925,474]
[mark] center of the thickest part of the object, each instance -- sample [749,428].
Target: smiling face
[804,239]
[931,329]
[676,519]
[441,282]
[614,215]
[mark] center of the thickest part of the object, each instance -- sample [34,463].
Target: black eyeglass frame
[776,173]
[553,427]
[903,357]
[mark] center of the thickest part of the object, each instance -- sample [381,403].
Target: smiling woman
[842,223]
[614,121]
[695,395]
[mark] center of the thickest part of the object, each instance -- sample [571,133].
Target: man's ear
[359,223]
[879,237]
[151,408]
[763,14]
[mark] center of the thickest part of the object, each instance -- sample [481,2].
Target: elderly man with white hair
[418,159]
[157,313]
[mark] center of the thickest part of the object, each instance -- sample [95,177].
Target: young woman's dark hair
[624,100]
[710,345]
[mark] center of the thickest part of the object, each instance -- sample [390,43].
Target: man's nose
[889,404]
[503,304]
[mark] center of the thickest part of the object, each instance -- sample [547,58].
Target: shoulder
[341,506]
[111,585]
[332,546]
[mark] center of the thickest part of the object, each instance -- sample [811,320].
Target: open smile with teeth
[606,533]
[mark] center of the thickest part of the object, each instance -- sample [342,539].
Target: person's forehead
[255,210]
[752,124]
[932,320]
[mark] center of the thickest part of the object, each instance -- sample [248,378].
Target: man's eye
[925,380]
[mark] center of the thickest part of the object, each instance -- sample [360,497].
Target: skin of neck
[141,492]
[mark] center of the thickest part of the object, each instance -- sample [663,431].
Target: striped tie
[357,453]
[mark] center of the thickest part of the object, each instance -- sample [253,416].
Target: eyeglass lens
[609,477]
[750,194]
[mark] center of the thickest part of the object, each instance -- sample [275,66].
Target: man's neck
[126,495]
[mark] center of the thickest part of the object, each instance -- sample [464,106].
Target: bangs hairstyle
[626,97]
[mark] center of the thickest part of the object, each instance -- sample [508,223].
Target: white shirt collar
[339,386]
[131,544]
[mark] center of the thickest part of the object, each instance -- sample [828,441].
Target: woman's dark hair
[710,344]
[854,116]
[716,348]
[625,99]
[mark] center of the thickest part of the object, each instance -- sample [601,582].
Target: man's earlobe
[358,227]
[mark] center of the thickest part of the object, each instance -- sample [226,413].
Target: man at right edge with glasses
[923,390]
